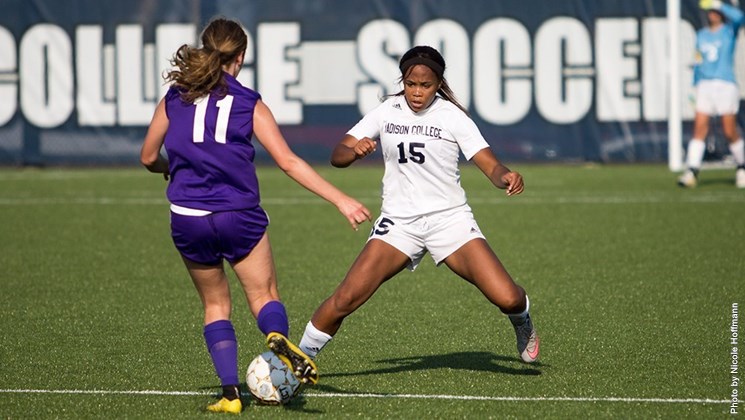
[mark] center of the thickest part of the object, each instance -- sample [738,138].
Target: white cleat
[688,179]
[740,178]
[528,342]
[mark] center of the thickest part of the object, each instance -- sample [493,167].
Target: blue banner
[579,80]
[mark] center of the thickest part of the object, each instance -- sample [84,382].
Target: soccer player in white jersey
[421,131]
[716,88]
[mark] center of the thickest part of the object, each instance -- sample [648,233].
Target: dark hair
[199,70]
[717,11]
[430,57]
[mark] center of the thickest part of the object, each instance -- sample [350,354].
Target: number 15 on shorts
[382,227]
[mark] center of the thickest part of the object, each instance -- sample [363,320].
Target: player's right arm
[150,155]
[358,142]
[350,149]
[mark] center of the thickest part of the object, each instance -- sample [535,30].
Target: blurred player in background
[206,122]
[716,88]
[421,131]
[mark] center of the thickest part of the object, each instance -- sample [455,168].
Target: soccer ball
[270,380]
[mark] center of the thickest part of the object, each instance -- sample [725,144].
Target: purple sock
[223,347]
[273,318]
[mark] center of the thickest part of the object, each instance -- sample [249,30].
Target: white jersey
[420,151]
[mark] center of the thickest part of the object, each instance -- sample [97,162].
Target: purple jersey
[209,149]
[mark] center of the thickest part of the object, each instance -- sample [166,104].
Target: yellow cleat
[226,406]
[302,366]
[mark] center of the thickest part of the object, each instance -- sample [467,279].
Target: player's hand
[354,211]
[710,4]
[513,182]
[364,147]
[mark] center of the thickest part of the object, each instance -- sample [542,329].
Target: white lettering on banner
[92,109]
[109,72]
[566,93]
[8,78]
[654,84]
[655,89]
[502,73]
[323,81]
[451,39]
[502,96]
[276,72]
[380,43]
[133,109]
[616,69]
[46,78]
[246,75]
[168,39]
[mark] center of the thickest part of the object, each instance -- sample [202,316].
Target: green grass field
[632,282]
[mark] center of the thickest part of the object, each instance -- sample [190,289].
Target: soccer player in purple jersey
[206,122]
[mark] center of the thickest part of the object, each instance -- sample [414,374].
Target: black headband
[432,64]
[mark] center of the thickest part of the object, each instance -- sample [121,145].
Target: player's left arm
[268,134]
[734,15]
[500,175]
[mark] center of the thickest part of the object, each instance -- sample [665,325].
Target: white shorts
[717,97]
[440,233]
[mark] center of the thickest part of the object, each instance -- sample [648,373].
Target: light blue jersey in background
[715,50]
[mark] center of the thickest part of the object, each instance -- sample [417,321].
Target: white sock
[738,151]
[313,340]
[695,154]
[520,318]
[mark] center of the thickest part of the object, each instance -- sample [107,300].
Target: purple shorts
[228,234]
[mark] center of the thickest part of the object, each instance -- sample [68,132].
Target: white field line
[392,396]
[291,201]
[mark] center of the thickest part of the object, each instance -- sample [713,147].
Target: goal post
[675,121]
